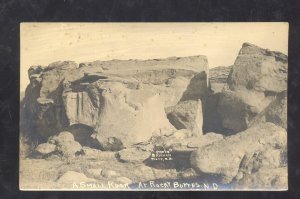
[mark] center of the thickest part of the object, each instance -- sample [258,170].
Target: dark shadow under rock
[83,134]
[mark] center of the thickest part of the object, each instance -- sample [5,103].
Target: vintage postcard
[153,106]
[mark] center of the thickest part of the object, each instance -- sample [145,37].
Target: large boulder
[223,158]
[187,115]
[65,144]
[259,69]
[127,118]
[256,78]
[118,102]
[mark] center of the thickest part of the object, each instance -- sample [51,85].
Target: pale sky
[44,43]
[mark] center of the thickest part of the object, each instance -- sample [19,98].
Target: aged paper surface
[153,106]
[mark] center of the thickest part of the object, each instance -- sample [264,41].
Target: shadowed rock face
[118,103]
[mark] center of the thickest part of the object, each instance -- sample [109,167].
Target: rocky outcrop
[114,103]
[256,78]
[162,119]
[224,157]
[125,122]
[259,69]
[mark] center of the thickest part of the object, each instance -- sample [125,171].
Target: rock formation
[118,103]
[218,78]
[109,120]
[187,115]
[256,78]
[224,157]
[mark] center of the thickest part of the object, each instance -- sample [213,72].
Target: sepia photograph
[153,106]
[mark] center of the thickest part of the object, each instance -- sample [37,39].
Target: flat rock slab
[133,155]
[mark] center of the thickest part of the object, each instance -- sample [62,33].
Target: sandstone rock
[137,121]
[45,148]
[85,95]
[224,157]
[65,144]
[197,88]
[255,79]
[259,69]
[133,155]
[61,65]
[71,177]
[187,115]
[109,173]
[275,112]
[80,108]
[69,149]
